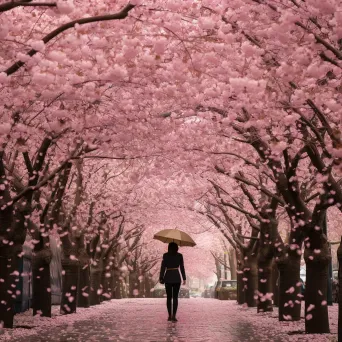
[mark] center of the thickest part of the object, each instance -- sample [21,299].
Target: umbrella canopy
[175,235]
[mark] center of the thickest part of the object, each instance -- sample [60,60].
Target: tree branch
[220,261]
[248,162]
[10,5]
[28,164]
[117,16]
[320,40]
[293,166]
[323,120]
[248,237]
[42,182]
[257,186]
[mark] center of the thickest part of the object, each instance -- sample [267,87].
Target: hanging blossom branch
[248,182]
[13,4]
[324,121]
[320,40]
[247,161]
[116,16]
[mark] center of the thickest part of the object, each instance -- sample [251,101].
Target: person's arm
[162,271]
[182,268]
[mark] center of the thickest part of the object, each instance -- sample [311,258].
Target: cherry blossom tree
[176,92]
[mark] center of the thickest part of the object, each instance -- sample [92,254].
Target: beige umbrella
[175,235]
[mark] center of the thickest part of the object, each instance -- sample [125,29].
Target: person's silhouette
[169,275]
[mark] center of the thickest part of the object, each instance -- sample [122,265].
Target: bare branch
[220,260]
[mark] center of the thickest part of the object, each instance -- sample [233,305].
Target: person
[169,275]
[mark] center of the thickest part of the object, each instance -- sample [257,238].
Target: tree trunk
[147,281]
[116,284]
[125,286]
[316,309]
[83,300]
[250,278]
[83,286]
[265,285]
[240,283]
[10,275]
[107,283]
[133,284]
[218,270]
[339,257]
[289,291]
[41,282]
[141,287]
[225,255]
[232,264]
[12,237]
[70,274]
[96,288]
[265,259]
[275,287]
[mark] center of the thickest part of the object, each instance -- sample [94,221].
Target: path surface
[200,320]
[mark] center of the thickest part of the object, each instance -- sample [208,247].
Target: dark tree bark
[289,291]
[84,274]
[8,267]
[12,230]
[275,286]
[264,285]
[7,259]
[225,258]
[101,250]
[147,286]
[41,281]
[250,277]
[317,257]
[133,283]
[41,277]
[141,286]
[117,284]
[107,279]
[83,286]
[124,287]
[72,242]
[269,230]
[232,264]
[70,281]
[339,257]
[239,277]
[96,288]
[42,255]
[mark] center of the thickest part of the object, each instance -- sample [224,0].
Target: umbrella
[174,235]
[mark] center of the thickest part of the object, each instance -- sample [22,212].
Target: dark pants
[172,291]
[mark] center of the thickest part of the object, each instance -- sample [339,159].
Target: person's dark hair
[173,248]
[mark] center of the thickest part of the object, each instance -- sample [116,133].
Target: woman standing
[169,275]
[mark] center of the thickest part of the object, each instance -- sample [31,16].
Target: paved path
[200,320]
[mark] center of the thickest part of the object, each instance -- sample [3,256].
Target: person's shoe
[174,319]
[170,318]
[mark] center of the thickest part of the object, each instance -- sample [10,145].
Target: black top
[171,260]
